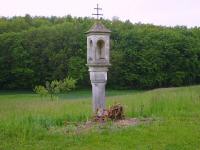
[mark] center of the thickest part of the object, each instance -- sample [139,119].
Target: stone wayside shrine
[98,61]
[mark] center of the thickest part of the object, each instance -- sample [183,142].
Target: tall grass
[27,117]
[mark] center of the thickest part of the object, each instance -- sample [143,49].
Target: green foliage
[41,90]
[55,87]
[67,84]
[34,50]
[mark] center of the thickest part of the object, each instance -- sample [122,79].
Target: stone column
[98,95]
[98,77]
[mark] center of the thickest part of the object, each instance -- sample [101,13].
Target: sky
[158,12]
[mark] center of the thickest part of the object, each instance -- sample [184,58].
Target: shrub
[41,90]
[55,87]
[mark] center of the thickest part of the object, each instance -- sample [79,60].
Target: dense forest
[38,49]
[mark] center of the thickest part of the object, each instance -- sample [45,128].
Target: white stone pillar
[98,61]
[98,77]
[98,95]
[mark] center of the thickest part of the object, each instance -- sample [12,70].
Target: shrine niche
[100,50]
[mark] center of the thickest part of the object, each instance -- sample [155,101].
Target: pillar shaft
[98,96]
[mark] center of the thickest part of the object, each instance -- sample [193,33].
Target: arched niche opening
[100,52]
[90,51]
[91,44]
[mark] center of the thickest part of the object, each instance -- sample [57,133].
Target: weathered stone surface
[98,95]
[98,61]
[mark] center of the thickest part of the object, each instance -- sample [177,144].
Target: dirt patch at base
[132,122]
[74,128]
[89,125]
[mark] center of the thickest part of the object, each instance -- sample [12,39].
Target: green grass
[26,120]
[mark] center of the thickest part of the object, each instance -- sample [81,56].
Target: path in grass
[26,120]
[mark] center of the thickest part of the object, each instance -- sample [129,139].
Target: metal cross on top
[98,14]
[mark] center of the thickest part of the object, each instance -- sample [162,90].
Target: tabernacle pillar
[98,61]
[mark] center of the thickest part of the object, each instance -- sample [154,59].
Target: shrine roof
[98,27]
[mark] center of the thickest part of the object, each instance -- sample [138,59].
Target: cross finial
[98,14]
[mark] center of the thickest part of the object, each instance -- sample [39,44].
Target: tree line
[34,50]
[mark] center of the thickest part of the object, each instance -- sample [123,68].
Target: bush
[41,90]
[55,87]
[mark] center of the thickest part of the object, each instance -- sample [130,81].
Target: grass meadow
[29,122]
